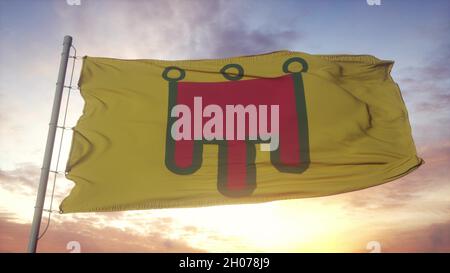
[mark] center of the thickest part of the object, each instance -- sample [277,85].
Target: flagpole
[45,170]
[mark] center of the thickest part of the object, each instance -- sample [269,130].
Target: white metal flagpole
[35,226]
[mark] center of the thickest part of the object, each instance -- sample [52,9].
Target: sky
[411,214]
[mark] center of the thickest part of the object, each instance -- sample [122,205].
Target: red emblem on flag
[236,174]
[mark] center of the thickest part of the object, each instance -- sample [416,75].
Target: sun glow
[282,226]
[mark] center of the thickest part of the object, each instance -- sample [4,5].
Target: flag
[189,133]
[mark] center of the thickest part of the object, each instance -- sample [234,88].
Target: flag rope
[63,129]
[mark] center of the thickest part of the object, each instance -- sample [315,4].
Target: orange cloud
[14,238]
[433,238]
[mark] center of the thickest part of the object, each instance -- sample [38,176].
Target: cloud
[14,238]
[428,85]
[239,41]
[175,29]
[23,179]
[433,238]
[440,102]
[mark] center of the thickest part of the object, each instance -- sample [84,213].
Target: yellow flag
[283,125]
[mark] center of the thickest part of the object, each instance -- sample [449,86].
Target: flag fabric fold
[282,125]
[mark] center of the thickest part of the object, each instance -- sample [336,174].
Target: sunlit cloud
[91,239]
